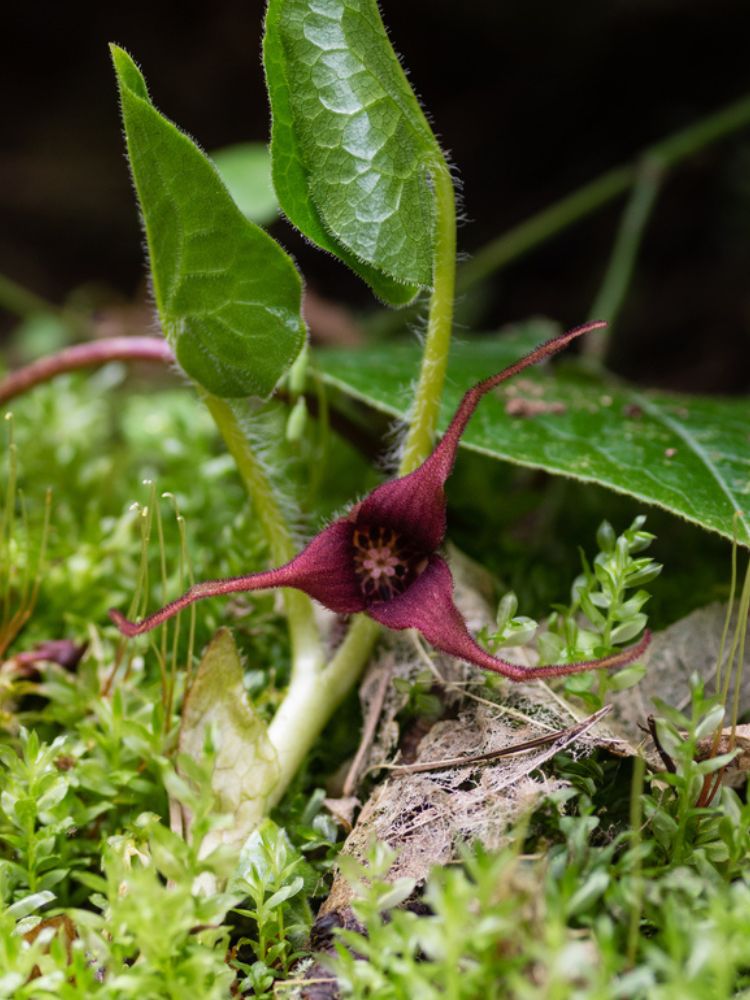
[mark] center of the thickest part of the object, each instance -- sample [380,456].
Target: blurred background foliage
[532,100]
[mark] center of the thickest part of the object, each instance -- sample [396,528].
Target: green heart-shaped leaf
[352,151]
[228,296]
[687,454]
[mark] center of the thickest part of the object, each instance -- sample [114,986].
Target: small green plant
[22,552]
[422,702]
[275,879]
[602,614]
[609,595]
[594,906]
[686,828]
[512,629]
[35,815]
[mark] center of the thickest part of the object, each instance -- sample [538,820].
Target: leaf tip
[128,75]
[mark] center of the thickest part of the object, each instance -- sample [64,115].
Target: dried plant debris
[425,809]
[555,740]
[424,814]
[730,739]
[520,407]
[429,802]
[690,646]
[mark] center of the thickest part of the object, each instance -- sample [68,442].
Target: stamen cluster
[385,564]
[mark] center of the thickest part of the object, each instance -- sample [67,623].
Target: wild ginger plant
[358,171]
[377,193]
[228,299]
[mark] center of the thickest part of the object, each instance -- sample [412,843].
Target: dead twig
[368,732]
[563,736]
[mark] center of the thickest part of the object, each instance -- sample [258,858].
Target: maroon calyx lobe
[428,606]
[381,557]
[324,569]
[415,504]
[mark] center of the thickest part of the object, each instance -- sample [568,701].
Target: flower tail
[208,588]
[442,459]
[428,606]
[323,569]
[515,672]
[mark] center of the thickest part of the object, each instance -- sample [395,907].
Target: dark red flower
[381,558]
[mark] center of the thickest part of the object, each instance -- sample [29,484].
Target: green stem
[737,639]
[540,227]
[621,265]
[742,625]
[636,819]
[587,199]
[307,654]
[313,697]
[314,694]
[426,408]
[727,620]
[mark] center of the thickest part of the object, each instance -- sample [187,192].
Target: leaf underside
[687,454]
[245,767]
[351,149]
[228,296]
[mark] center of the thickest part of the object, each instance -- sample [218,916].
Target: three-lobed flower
[381,558]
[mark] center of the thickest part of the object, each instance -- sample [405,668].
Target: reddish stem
[87,355]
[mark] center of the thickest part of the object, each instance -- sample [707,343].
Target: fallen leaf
[61,926]
[689,646]
[245,766]
[343,810]
[64,652]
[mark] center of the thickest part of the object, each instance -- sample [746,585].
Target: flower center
[385,565]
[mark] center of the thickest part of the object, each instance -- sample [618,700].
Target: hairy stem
[307,654]
[621,265]
[426,407]
[311,701]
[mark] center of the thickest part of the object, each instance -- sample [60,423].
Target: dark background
[532,99]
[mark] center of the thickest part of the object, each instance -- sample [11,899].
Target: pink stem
[87,355]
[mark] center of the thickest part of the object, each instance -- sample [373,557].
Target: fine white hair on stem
[261,427]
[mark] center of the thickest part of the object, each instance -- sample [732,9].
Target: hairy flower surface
[381,558]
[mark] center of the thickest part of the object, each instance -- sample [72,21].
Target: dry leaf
[730,739]
[689,646]
[245,767]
